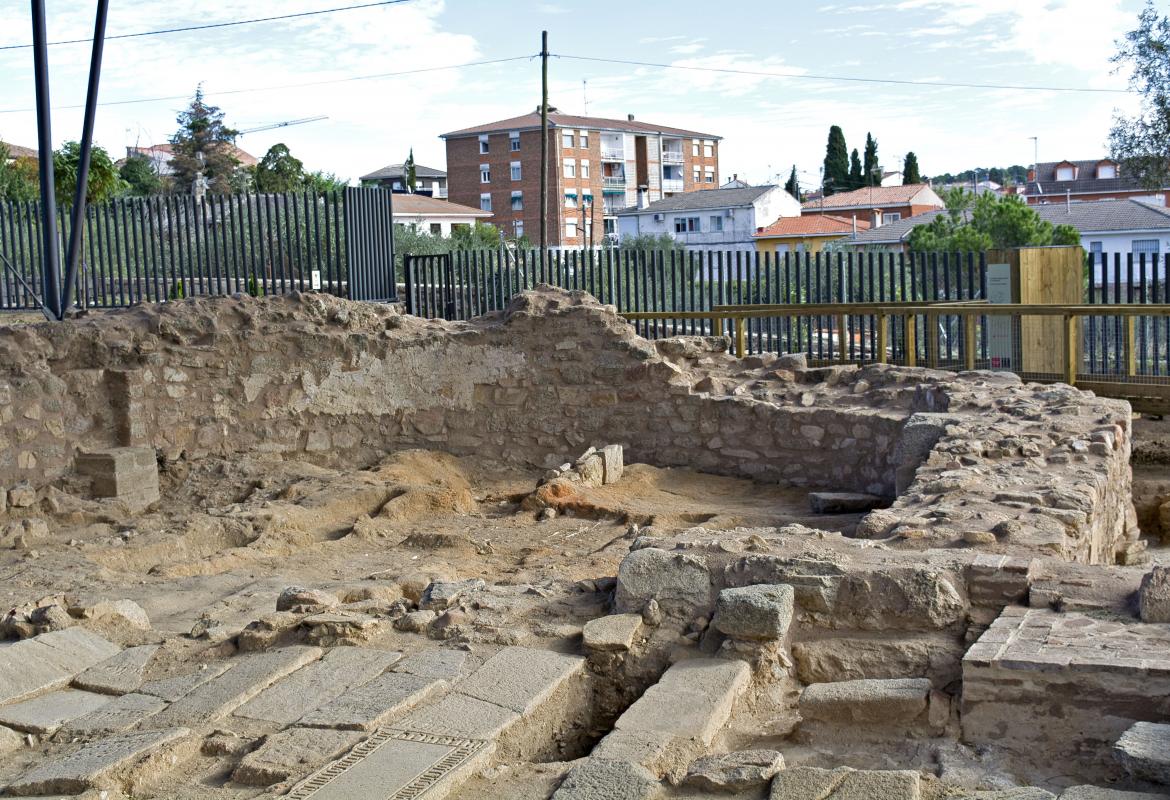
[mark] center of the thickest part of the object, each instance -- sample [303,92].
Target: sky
[258,74]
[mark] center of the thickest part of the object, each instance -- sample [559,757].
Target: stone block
[47,713]
[119,674]
[761,612]
[741,771]
[1144,752]
[897,700]
[460,715]
[374,703]
[171,689]
[10,741]
[935,656]
[919,436]
[591,468]
[842,783]
[615,632]
[120,714]
[1154,595]
[299,596]
[613,460]
[291,754]
[603,779]
[438,664]
[1087,792]
[126,473]
[843,502]
[442,594]
[103,764]
[521,678]
[679,582]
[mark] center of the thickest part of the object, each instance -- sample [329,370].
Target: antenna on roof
[585,97]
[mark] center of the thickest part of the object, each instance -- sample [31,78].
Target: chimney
[630,117]
[877,218]
[1031,176]
[643,197]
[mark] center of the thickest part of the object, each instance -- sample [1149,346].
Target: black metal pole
[50,258]
[73,254]
[543,146]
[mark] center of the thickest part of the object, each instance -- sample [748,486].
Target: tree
[872,168]
[973,223]
[856,180]
[411,180]
[18,179]
[103,182]
[836,173]
[320,182]
[1142,143]
[651,243]
[910,170]
[140,177]
[279,171]
[204,144]
[480,236]
[793,185]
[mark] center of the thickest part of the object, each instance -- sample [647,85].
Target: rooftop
[1086,180]
[17,151]
[1105,216]
[391,171]
[873,196]
[703,199]
[166,149]
[893,232]
[814,225]
[558,120]
[423,205]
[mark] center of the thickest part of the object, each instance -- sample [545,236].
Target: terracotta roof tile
[558,120]
[812,225]
[869,196]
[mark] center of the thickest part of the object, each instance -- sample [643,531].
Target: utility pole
[51,256]
[543,148]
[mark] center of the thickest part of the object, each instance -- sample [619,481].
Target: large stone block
[127,473]
[843,502]
[868,701]
[47,713]
[1154,595]
[812,783]
[603,779]
[679,582]
[1144,751]
[521,678]
[755,612]
[291,754]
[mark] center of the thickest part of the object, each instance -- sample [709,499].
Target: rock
[615,632]
[1086,792]
[1144,752]
[545,514]
[50,618]
[652,613]
[936,656]
[591,468]
[415,621]
[842,502]
[613,459]
[22,495]
[760,611]
[866,701]
[225,743]
[121,612]
[10,741]
[603,779]
[120,674]
[1154,595]
[919,436]
[734,772]
[877,524]
[298,596]
[442,594]
[979,537]
[792,361]
[678,581]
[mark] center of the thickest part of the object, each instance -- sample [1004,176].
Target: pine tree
[836,162]
[910,170]
[793,185]
[202,133]
[411,180]
[856,179]
[871,166]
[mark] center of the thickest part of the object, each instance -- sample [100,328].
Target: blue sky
[768,123]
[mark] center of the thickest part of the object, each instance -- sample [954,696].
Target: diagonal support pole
[50,254]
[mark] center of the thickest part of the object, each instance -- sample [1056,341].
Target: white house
[433,216]
[1115,226]
[711,219]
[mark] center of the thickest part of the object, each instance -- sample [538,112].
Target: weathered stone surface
[221,696]
[898,700]
[1088,792]
[438,664]
[520,678]
[291,754]
[616,632]
[613,460]
[101,764]
[49,661]
[900,599]
[603,779]
[374,703]
[918,437]
[755,612]
[1144,751]
[441,594]
[119,674]
[1154,595]
[123,612]
[299,596]
[460,715]
[678,581]
[591,468]
[308,688]
[734,772]
[843,502]
[129,474]
[171,689]
[935,656]
[120,714]
[812,783]
[10,741]
[47,713]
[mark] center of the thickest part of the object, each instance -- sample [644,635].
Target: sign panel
[999,329]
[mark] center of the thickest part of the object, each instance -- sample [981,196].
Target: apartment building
[596,168]
[1104,179]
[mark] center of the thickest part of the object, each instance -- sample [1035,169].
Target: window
[570,229]
[686,225]
[695,148]
[584,168]
[567,139]
[891,216]
[587,200]
[485,202]
[436,229]
[515,170]
[570,168]
[710,175]
[584,138]
[570,201]
[697,176]
[1096,248]
[485,173]
[517,201]
[708,149]
[518,227]
[716,224]
[514,141]
[1106,171]
[483,144]
[1147,246]
[1066,173]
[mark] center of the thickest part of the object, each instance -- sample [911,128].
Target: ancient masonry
[988,629]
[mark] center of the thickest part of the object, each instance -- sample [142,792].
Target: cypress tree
[856,180]
[411,181]
[793,185]
[910,170]
[872,178]
[836,162]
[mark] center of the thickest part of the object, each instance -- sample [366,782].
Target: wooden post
[1131,346]
[843,338]
[969,323]
[932,341]
[716,326]
[740,340]
[883,336]
[1071,340]
[911,341]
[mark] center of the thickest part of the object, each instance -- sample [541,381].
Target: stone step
[1144,751]
[120,714]
[115,762]
[375,703]
[677,718]
[291,755]
[49,661]
[120,674]
[899,701]
[47,713]
[843,783]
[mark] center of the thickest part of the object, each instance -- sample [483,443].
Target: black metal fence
[1127,278]
[153,249]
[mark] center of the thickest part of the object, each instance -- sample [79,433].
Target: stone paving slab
[440,664]
[521,678]
[49,661]
[397,764]
[316,684]
[93,765]
[120,714]
[120,674]
[171,689]
[374,703]
[693,699]
[247,678]
[615,632]
[10,740]
[291,755]
[812,783]
[881,701]
[460,715]
[47,713]
[1087,792]
[601,779]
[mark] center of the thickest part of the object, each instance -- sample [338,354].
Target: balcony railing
[614,181]
[612,154]
[672,157]
[672,184]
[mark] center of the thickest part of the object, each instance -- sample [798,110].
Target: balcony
[672,157]
[672,184]
[612,154]
[613,181]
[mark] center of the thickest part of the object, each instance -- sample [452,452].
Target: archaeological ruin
[305,547]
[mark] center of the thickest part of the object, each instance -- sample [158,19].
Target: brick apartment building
[877,205]
[1104,179]
[596,168]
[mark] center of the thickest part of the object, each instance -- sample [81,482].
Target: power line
[218,24]
[845,78]
[286,85]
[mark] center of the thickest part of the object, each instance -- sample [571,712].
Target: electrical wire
[280,87]
[209,26]
[842,78]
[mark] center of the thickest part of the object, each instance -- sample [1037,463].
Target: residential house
[735,183]
[877,205]
[432,215]
[15,151]
[892,235]
[891,177]
[1103,179]
[714,219]
[596,168]
[806,234]
[1115,227]
[160,156]
[427,180]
